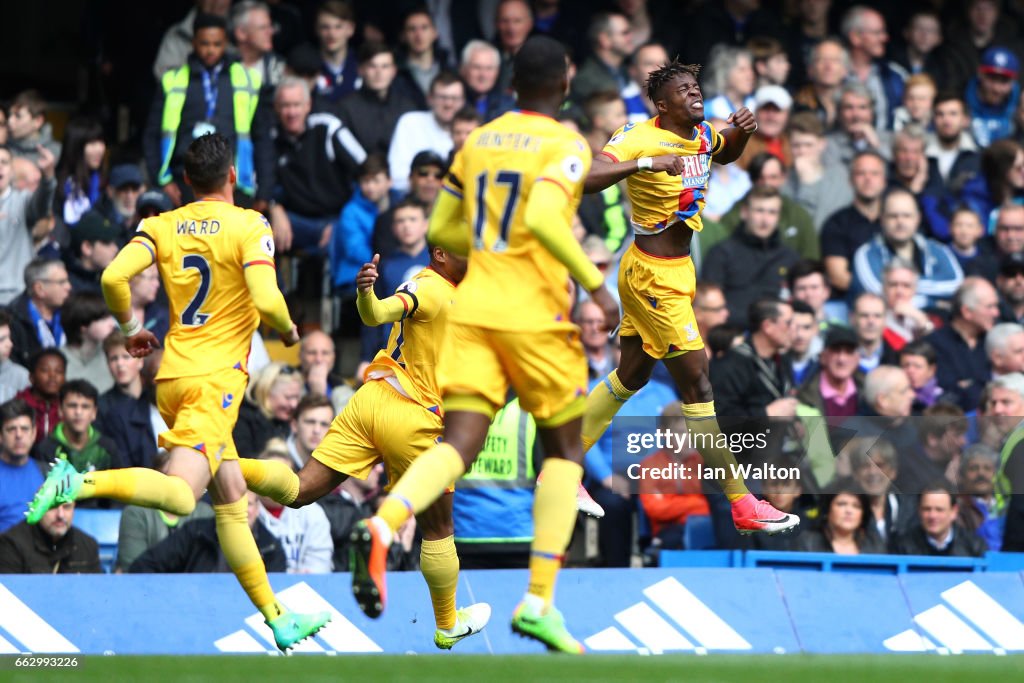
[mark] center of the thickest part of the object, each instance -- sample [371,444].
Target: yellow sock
[706,434]
[602,404]
[271,478]
[140,486]
[422,484]
[439,564]
[243,556]
[554,516]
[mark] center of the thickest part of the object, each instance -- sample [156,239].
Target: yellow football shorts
[657,302]
[547,369]
[201,413]
[378,425]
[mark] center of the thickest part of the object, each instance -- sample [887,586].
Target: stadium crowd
[861,265]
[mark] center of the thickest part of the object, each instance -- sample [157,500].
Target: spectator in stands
[88,322]
[268,407]
[827,70]
[874,464]
[978,514]
[604,213]
[465,122]
[20,475]
[1010,283]
[316,362]
[940,273]
[194,548]
[28,132]
[335,26]
[253,31]
[513,21]
[773,103]
[866,36]
[732,22]
[845,524]
[1000,185]
[805,344]
[304,533]
[126,412]
[796,229]
[964,368]
[75,437]
[790,495]
[922,34]
[611,43]
[317,159]
[918,97]
[422,58]
[1004,345]
[152,203]
[937,532]
[481,63]
[373,111]
[819,189]
[214,84]
[94,244]
[943,436]
[646,59]
[771,63]
[953,159]
[13,377]
[834,389]
[919,360]
[965,241]
[807,282]
[849,228]
[80,175]
[428,169]
[142,528]
[20,210]
[46,376]
[51,547]
[602,354]
[419,131]
[856,129]
[352,242]
[120,201]
[992,95]
[177,41]
[710,309]
[905,322]
[313,417]
[867,318]
[729,82]
[910,169]
[147,307]
[668,503]
[887,402]
[753,262]
[350,502]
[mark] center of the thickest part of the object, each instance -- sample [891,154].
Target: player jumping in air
[216,262]
[394,417]
[666,162]
[508,201]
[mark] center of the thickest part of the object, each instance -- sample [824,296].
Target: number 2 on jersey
[191,315]
[512,180]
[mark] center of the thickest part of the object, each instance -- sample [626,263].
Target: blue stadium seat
[699,533]
[104,526]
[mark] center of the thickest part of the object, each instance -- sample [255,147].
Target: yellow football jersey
[415,340]
[202,250]
[658,199]
[513,282]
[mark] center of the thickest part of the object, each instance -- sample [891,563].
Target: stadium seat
[699,533]
[104,526]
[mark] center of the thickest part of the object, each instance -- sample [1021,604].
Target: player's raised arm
[374,311]
[605,171]
[743,126]
[134,258]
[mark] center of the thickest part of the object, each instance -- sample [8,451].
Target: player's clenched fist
[367,275]
[669,163]
[743,119]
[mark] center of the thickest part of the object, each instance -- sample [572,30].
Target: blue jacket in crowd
[940,272]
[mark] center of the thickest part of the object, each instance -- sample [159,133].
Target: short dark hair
[207,163]
[31,100]
[374,164]
[114,340]
[758,162]
[657,79]
[600,23]
[806,122]
[805,268]
[337,9]
[944,96]
[36,358]
[939,486]
[593,104]
[938,419]
[763,48]
[312,402]
[413,203]
[80,387]
[372,49]
[762,192]
[5,318]
[204,21]
[539,66]
[720,338]
[467,114]
[16,408]
[81,310]
[920,348]
[445,78]
[762,310]
[801,307]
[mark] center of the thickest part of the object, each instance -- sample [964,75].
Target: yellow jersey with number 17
[513,282]
[658,200]
[202,251]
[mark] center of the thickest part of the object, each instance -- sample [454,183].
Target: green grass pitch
[530,668]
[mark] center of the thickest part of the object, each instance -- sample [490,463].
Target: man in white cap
[773,107]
